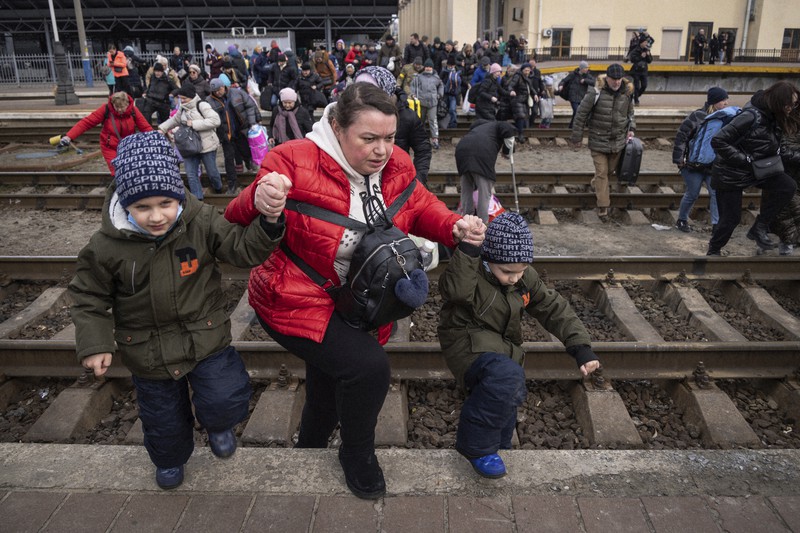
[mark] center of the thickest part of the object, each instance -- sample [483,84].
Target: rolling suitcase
[629,162]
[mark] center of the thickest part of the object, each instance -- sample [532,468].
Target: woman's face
[288,105]
[368,143]
[788,109]
[720,105]
[120,106]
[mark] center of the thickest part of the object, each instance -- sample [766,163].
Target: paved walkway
[65,488]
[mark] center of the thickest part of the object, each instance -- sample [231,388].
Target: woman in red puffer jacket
[349,153]
[119,118]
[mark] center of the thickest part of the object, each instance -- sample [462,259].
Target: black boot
[759,233]
[363,475]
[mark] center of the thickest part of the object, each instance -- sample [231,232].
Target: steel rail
[544,360]
[437,177]
[551,268]
[528,201]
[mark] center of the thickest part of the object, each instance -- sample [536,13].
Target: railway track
[535,191]
[686,372]
[24,129]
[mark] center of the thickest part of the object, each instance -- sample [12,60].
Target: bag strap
[309,271]
[327,215]
[113,123]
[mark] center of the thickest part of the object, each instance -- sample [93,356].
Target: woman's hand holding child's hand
[590,367]
[470,229]
[271,192]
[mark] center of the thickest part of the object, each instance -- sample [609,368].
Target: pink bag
[257,139]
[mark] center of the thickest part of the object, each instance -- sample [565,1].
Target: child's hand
[590,367]
[98,362]
[470,229]
[271,192]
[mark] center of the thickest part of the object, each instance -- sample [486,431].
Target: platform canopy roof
[28,16]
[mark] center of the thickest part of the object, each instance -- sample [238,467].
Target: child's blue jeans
[221,396]
[496,386]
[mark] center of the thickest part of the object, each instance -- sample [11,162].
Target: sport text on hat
[146,166]
[508,240]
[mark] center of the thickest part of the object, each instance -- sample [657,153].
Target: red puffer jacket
[126,124]
[282,295]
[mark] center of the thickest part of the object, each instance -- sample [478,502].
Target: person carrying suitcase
[607,111]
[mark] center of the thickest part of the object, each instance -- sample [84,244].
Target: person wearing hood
[348,156]
[118,117]
[134,77]
[289,121]
[198,115]
[428,87]
[752,136]
[237,63]
[476,158]
[411,135]
[607,112]
[148,286]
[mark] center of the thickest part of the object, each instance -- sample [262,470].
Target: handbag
[187,141]
[767,167]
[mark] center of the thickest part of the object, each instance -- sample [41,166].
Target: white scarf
[322,135]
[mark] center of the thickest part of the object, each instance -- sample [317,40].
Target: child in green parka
[148,286]
[485,290]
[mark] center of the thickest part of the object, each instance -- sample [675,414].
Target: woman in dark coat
[787,225]
[476,156]
[521,85]
[752,135]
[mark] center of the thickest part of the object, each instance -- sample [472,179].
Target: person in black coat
[752,135]
[476,157]
[489,93]
[713,49]
[156,95]
[640,59]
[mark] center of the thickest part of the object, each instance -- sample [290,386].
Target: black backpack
[472,95]
[384,256]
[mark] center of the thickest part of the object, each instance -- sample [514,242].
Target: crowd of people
[324,188]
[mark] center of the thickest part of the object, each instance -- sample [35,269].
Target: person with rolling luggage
[630,161]
[607,111]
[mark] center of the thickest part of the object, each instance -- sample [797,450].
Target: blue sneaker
[491,466]
[169,478]
[222,444]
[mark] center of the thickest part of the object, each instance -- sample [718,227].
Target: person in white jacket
[198,115]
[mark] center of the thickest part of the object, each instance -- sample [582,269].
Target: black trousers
[780,190]
[229,153]
[347,378]
[639,84]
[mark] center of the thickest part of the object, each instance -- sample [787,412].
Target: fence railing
[33,69]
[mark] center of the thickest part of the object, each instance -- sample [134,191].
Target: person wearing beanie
[427,86]
[119,117]
[488,283]
[607,112]
[156,97]
[390,56]
[289,120]
[489,93]
[199,116]
[309,88]
[281,76]
[201,85]
[148,286]
[640,57]
[696,173]
[574,87]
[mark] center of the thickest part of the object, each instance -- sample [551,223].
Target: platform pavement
[65,488]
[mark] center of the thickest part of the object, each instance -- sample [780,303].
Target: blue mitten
[413,291]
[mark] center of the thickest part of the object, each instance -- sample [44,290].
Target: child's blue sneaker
[491,466]
[169,478]
[222,444]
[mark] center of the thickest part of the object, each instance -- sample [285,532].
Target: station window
[562,40]
[790,48]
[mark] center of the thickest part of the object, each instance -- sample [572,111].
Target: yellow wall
[462,16]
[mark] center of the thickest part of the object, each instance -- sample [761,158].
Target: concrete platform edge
[626,473]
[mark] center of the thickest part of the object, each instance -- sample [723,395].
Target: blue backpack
[700,153]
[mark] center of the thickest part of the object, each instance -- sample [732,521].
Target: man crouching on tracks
[485,288]
[153,264]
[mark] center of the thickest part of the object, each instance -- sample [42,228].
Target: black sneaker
[714,251]
[363,475]
[683,226]
[169,478]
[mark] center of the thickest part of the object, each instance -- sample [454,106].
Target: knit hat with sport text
[146,166]
[508,240]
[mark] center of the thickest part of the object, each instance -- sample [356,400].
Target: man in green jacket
[607,111]
[485,289]
[149,280]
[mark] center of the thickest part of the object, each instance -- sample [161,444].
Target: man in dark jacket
[640,59]
[414,49]
[390,55]
[226,130]
[281,76]
[156,95]
[179,61]
[699,46]
[575,86]
[476,157]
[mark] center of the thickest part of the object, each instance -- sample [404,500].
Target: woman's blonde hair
[119,98]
